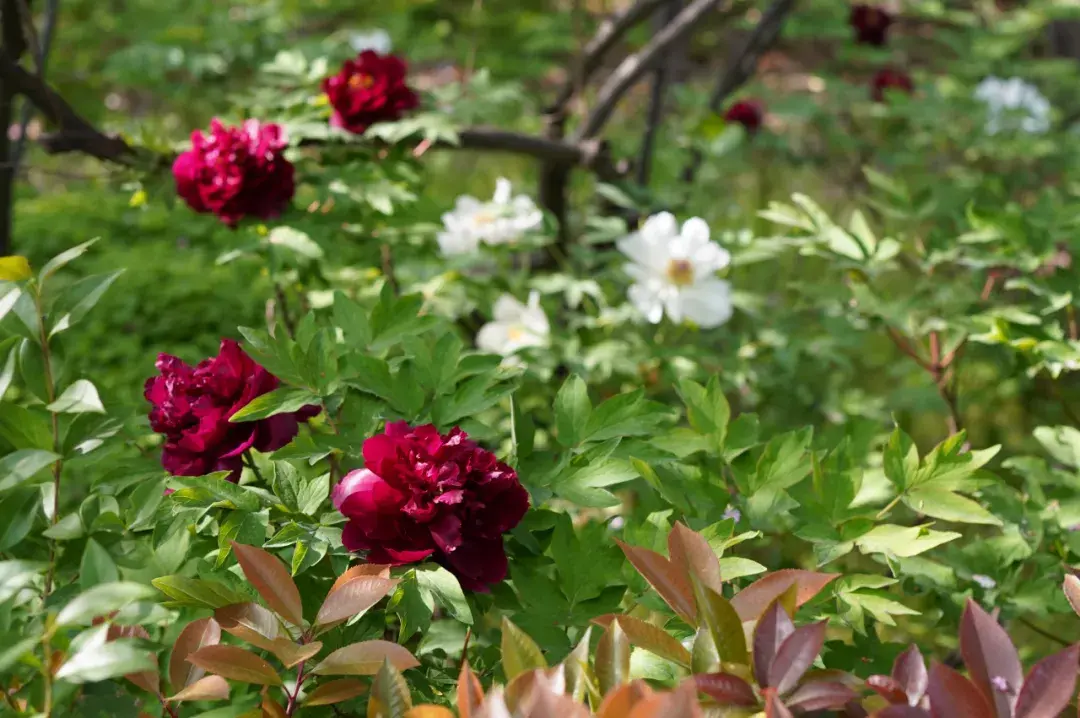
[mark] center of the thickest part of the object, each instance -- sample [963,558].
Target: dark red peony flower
[748,113]
[236,172]
[424,495]
[367,90]
[192,406]
[890,79]
[871,24]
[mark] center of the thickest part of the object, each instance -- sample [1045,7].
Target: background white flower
[516,326]
[503,220]
[674,272]
[1013,104]
[377,40]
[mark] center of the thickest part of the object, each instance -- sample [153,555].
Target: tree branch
[52,11]
[742,66]
[609,33]
[633,67]
[661,76]
[75,133]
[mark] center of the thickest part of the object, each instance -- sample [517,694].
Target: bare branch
[745,61]
[610,32]
[633,67]
[742,66]
[75,133]
[52,12]
[661,76]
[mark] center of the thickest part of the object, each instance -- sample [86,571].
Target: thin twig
[388,267]
[633,67]
[903,345]
[609,33]
[741,67]
[1043,632]
[52,8]
[283,307]
[661,76]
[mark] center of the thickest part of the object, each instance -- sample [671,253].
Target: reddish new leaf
[821,695]
[1049,685]
[353,597]
[1072,591]
[622,700]
[888,688]
[647,636]
[272,709]
[203,632]
[726,689]
[670,582]
[365,659]
[953,696]
[336,691]
[990,658]
[752,601]
[470,694]
[902,711]
[235,664]
[774,707]
[909,671]
[692,553]
[361,569]
[612,662]
[272,580]
[772,630]
[795,656]
[207,688]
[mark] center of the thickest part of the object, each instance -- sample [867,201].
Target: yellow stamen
[361,81]
[680,272]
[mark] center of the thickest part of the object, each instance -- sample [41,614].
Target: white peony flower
[1013,104]
[377,40]
[516,326]
[503,220]
[674,272]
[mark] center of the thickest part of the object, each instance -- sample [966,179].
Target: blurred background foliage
[155,69]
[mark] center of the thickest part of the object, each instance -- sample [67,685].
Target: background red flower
[890,79]
[871,24]
[424,495]
[236,172]
[748,113]
[367,90]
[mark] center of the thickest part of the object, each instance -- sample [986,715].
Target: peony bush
[729,413]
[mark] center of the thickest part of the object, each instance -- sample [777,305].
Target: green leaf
[15,649]
[16,575]
[901,459]
[279,401]
[389,693]
[313,494]
[572,411]
[446,590]
[102,600]
[96,566]
[21,465]
[707,408]
[624,415]
[942,504]
[10,347]
[295,240]
[351,318]
[66,529]
[60,260]
[733,567]
[197,592]
[785,461]
[902,541]
[98,662]
[519,652]
[82,296]
[145,500]
[17,513]
[725,627]
[79,398]
[24,428]
[234,495]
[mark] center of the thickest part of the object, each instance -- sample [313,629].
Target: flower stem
[50,392]
[291,707]
[249,461]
